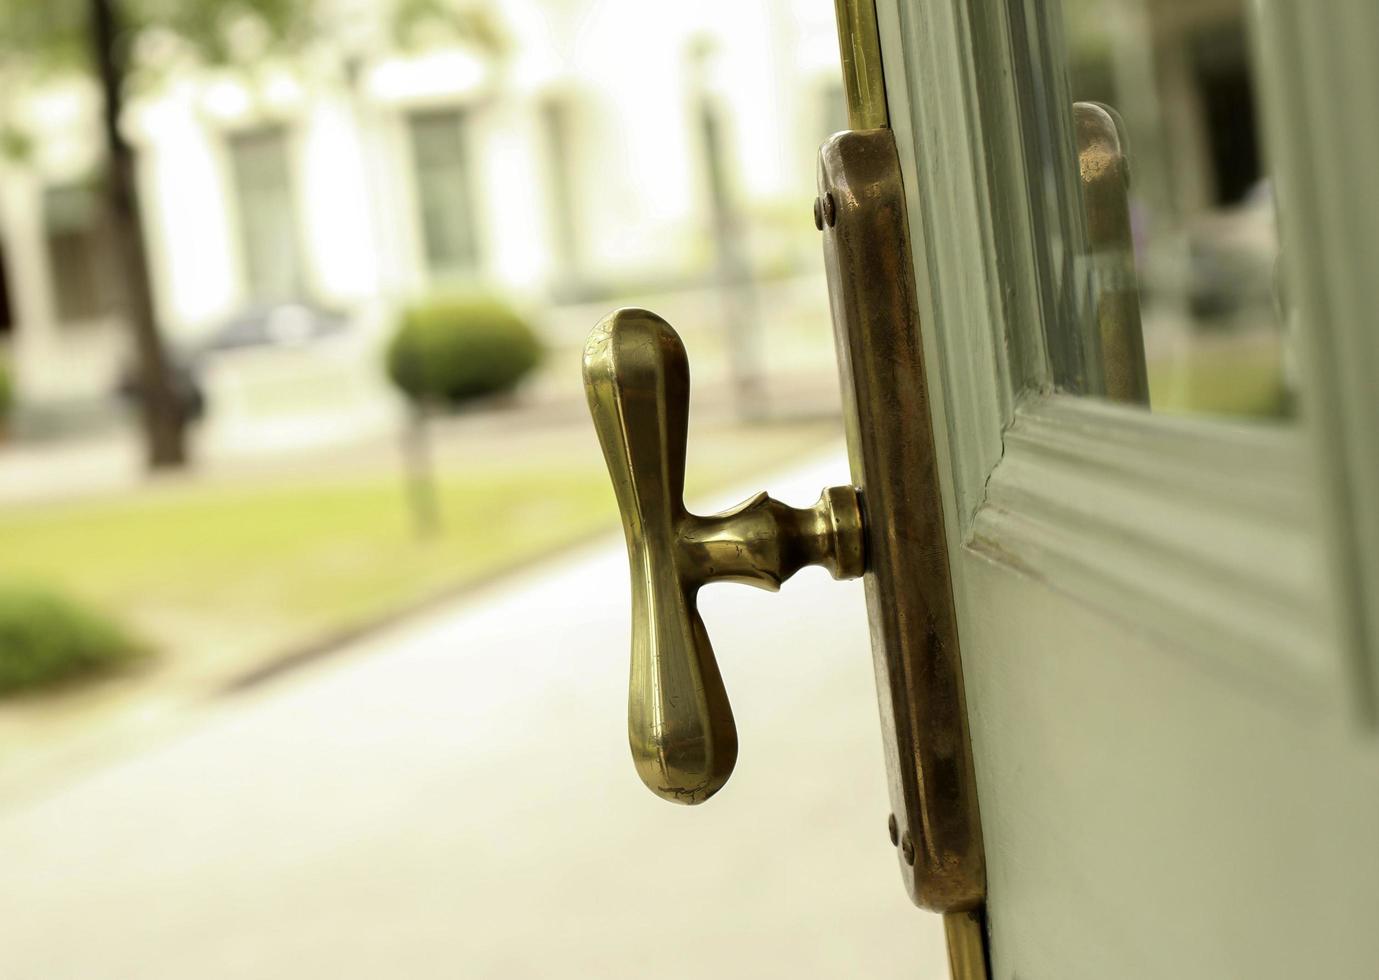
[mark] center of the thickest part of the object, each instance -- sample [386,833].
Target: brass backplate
[936,827]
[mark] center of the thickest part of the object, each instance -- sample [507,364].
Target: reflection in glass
[1201,210]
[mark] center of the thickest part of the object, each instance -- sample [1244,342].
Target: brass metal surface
[895,465]
[966,945]
[1105,176]
[859,44]
[680,725]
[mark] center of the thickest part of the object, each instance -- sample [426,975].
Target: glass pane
[84,286]
[443,190]
[267,214]
[1192,231]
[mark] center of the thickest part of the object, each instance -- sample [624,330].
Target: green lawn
[208,571]
[224,576]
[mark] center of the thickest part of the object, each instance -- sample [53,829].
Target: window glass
[559,124]
[267,215]
[84,287]
[1186,277]
[444,193]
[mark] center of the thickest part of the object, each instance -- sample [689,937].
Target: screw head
[894,828]
[818,214]
[830,209]
[907,848]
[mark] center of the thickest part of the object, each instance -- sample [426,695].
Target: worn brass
[1105,175]
[680,725]
[895,464]
[966,945]
[859,43]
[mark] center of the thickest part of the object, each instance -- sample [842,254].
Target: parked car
[1233,257]
[277,325]
[292,324]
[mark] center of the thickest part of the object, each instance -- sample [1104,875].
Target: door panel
[1147,818]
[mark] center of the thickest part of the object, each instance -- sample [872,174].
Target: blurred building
[566,159]
[1190,88]
[1204,210]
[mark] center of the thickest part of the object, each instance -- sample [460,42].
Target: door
[1165,610]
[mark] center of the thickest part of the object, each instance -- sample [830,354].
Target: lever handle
[679,724]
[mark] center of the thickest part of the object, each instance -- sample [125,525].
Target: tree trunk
[162,409]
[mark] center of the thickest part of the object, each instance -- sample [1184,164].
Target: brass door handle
[680,725]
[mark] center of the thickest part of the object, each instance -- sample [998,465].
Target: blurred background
[1181,76]
[342,378]
[313,608]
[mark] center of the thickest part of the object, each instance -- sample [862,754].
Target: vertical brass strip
[861,211]
[859,43]
[935,823]
[966,945]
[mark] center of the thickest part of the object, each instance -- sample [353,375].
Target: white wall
[637,168]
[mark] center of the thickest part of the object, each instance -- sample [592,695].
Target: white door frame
[1208,535]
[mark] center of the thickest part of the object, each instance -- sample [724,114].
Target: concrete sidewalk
[454,798]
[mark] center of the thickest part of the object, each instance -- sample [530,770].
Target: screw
[830,209]
[907,848]
[894,829]
[818,214]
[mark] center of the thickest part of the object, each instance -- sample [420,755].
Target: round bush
[47,640]
[456,349]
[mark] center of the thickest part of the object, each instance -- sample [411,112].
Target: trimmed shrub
[455,349]
[46,640]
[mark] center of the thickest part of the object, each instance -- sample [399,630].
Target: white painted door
[1167,616]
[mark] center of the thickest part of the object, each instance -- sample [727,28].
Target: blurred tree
[164,416]
[418,23]
[97,38]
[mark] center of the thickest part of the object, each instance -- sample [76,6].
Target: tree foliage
[452,349]
[55,34]
[47,639]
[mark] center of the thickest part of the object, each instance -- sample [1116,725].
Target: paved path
[454,799]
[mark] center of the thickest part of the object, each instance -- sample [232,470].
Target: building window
[445,196]
[1222,63]
[261,165]
[79,251]
[558,127]
[6,311]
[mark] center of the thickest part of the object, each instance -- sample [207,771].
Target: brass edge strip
[859,44]
[966,945]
